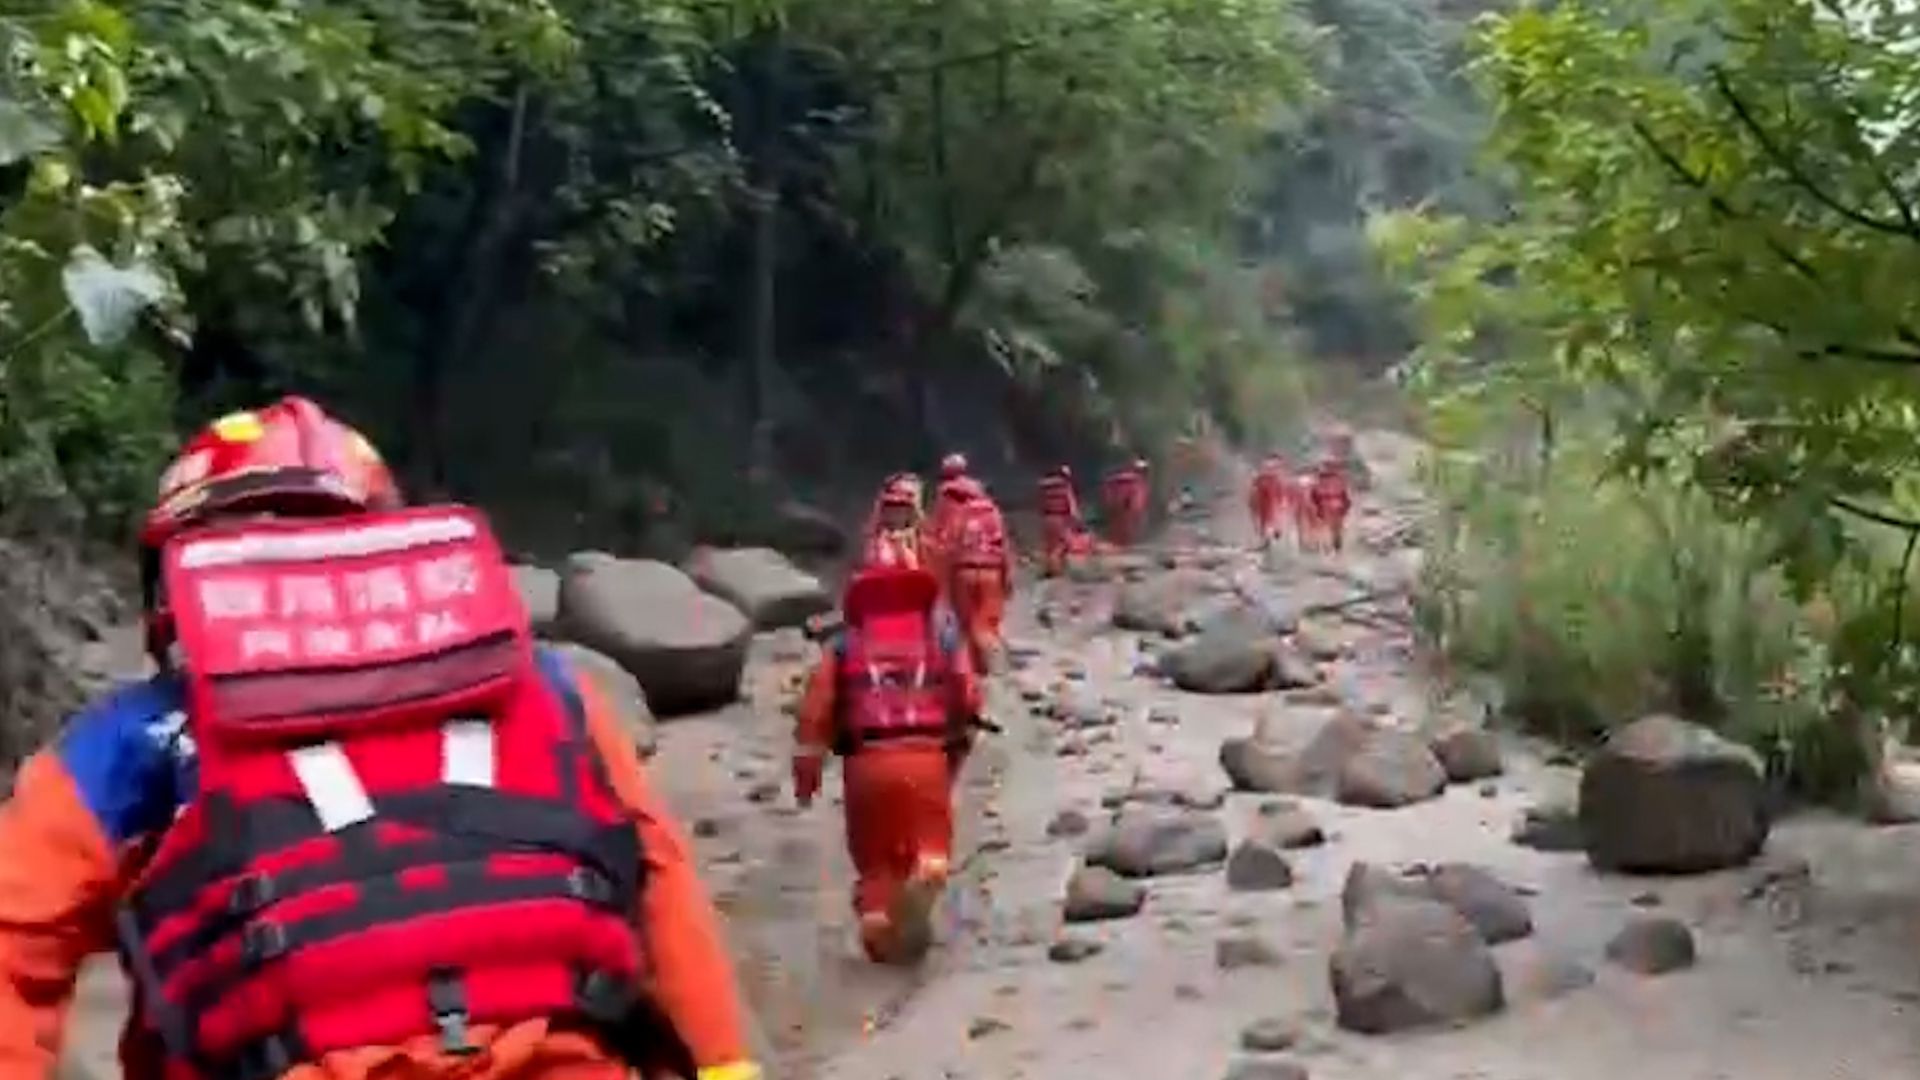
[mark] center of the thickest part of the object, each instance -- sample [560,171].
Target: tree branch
[1719,202]
[1878,517]
[1796,172]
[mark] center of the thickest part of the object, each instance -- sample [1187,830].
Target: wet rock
[1287,825]
[1266,1069]
[1412,964]
[1149,841]
[770,591]
[1068,823]
[1468,754]
[1074,950]
[1666,796]
[1257,867]
[621,691]
[1237,951]
[1652,945]
[1392,769]
[1095,893]
[1272,1035]
[686,648]
[1295,754]
[1498,912]
[1550,827]
[539,590]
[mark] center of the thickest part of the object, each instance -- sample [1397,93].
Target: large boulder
[808,530]
[620,689]
[1495,910]
[687,648]
[1165,604]
[539,590]
[1392,769]
[1295,752]
[1411,964]
[1237,650]
[768,590]
[1149,840]
[1666,796]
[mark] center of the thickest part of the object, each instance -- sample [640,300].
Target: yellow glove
[738,1070]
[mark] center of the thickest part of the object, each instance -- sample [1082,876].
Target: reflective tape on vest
[333,789]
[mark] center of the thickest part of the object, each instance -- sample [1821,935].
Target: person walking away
[893,695]
[358,825]
[941,519]
[1268,499]
[894,530]
[1124,498]
[1061,527]
[981,565]
[1331,502]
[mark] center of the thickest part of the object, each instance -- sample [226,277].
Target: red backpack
[895,679]
[399,827]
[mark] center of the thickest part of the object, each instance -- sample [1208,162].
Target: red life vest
[895,678]
[980,535]
[399,826]
[1056,498]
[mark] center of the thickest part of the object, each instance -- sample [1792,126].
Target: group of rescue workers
[360,826]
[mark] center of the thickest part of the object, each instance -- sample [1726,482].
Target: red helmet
[953,466]
[289,459]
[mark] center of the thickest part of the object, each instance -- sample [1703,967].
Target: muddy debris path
[1807,960]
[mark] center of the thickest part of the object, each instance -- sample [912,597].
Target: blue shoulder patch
[559,675]
[131,757]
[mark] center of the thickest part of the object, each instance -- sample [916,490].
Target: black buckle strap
[268,1059]
[447,998]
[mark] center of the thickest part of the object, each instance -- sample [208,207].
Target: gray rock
[1257,867]
[1413,964]
[1653,945]
[1068,823]
[1392,769]
[1295,753]
[1072,949]
[808,530]
[1266,1069]
[1893,791]
[1287,825]
[1235,653]
[1368,887]
[539,590]
[761,583]
[1530,972]
[1498,912]
[1095,894]
[1149,841]
[1666,796]
[620,689]
[1164,605]
[1237,951]
[687,648]
[1272,1035]
[1550,827]
[1469,755]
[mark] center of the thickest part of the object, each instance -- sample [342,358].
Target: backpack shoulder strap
[559,677]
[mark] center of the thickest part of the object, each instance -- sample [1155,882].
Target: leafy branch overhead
[1715,224]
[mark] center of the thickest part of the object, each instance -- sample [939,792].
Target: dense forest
[602,266]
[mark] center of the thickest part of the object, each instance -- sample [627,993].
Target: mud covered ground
[1809,960]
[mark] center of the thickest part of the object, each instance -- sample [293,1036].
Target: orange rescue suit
[1125,497]
[1060,524]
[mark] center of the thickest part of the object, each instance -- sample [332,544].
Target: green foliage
[1594,601]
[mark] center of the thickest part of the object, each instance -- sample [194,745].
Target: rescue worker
[941,519]
[894,694]
[1061,529]
[894,529]
[1269,497]
[980,569]
[334,871]
[1124,497]
[1331,500]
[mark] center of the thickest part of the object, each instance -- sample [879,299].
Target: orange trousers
[1123,523]
[1268,514]
[1056,543]
[979,596]
[899,808]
